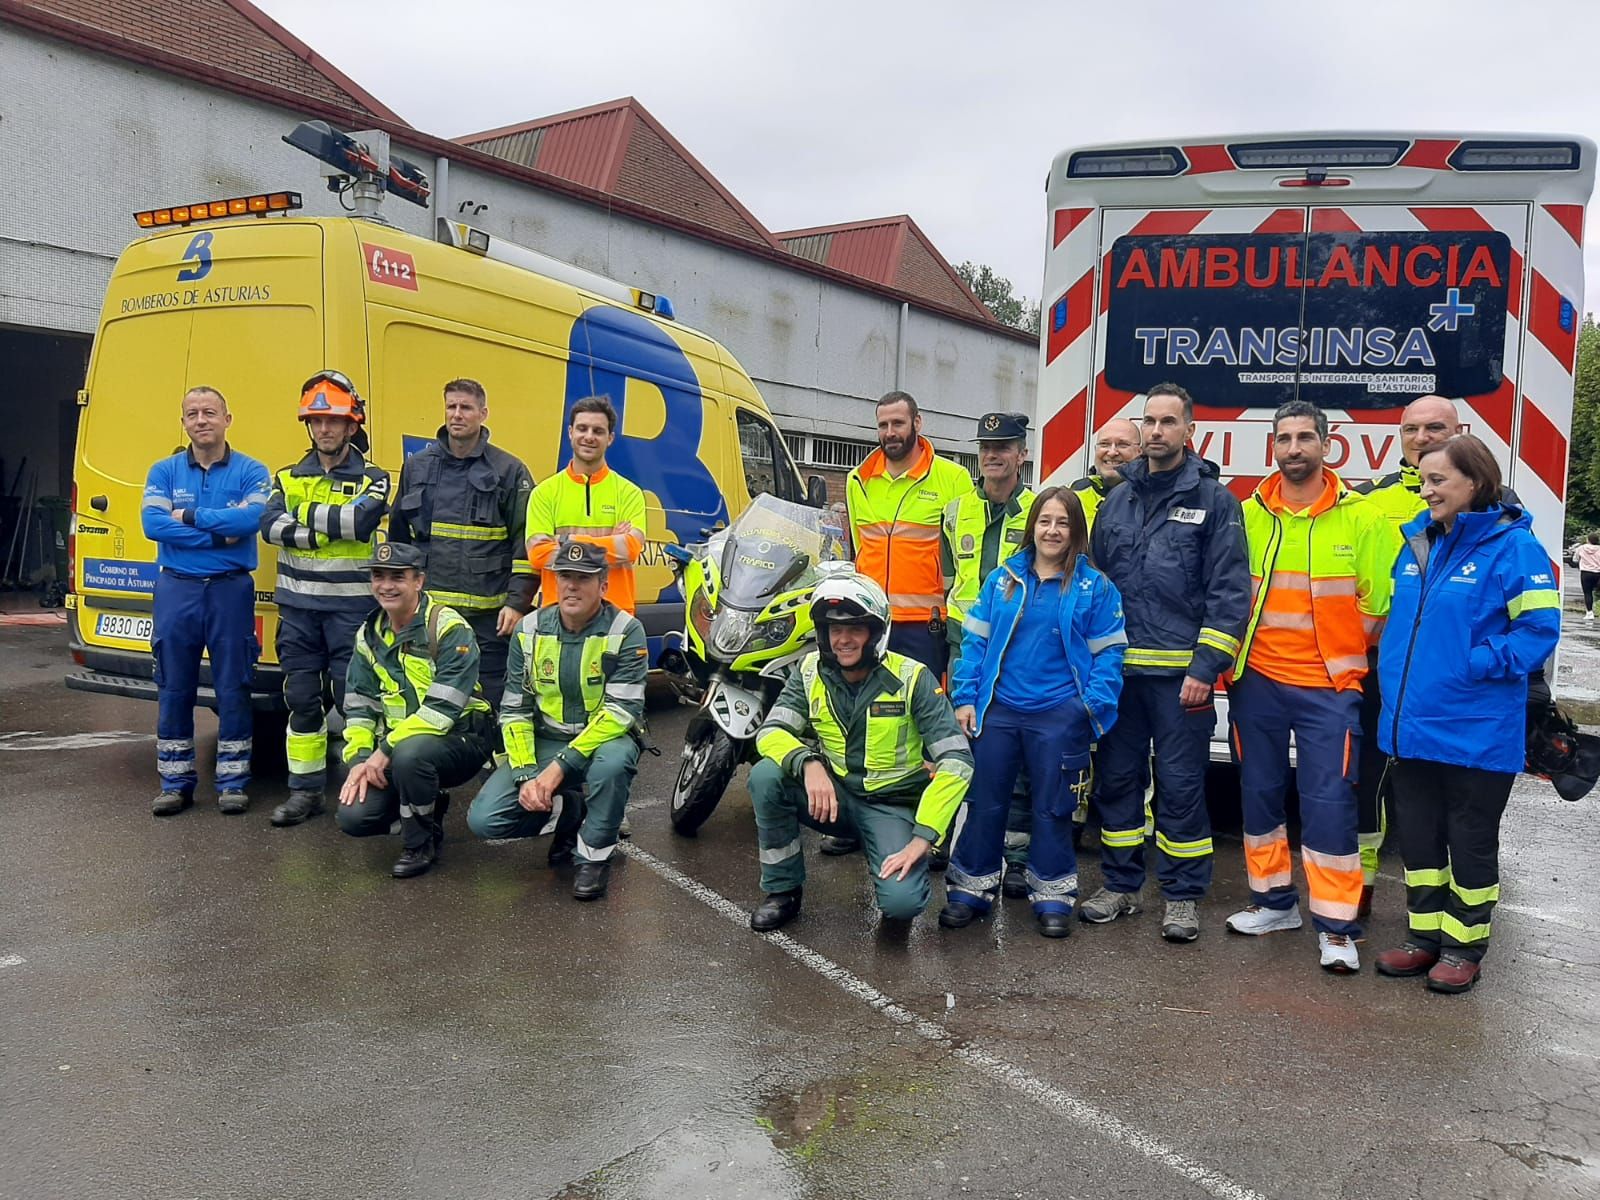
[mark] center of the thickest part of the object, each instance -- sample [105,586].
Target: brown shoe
[1410,959]
[1452,974]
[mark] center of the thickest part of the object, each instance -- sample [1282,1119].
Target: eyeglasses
[1116,445]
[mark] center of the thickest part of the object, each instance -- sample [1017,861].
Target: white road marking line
[1046,1094]
[12,960]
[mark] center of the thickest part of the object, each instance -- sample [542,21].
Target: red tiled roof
[350,104]
[890,251]
[619,148]
[208,38]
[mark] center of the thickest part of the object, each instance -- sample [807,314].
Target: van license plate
[124,628]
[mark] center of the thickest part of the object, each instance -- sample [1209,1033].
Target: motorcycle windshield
[773,547]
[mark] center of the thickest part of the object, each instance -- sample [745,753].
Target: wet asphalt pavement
[204,1006]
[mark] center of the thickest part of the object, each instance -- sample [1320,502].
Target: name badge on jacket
[1189,516]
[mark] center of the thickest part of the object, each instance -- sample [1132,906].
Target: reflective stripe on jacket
[467,515]
[325,524]
[1475,612]
[1178,560]
[1338,590]
[875,736]
[895,525]
[588,508]
[971,536]
[398,686]
[1090,490]
[585,688]
[1091,630]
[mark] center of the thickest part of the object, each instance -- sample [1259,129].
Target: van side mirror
[816,491]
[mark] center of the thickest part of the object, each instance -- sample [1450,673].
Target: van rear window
[1348,320]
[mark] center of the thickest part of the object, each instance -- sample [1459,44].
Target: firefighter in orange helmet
[323,519]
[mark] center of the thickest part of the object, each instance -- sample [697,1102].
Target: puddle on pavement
[714,1157]
[827,1115]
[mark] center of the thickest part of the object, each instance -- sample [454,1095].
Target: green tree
[1000,298]
[1583,466]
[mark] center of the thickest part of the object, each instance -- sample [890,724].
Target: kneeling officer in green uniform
[415,718]
[876,716]
[573,706]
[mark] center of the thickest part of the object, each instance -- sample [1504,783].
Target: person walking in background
[1038,681]
[202,508]
[1589,572]
[1475,612]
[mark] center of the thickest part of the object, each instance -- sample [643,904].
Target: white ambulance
[1355,270]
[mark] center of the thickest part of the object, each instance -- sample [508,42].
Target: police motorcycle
[747,620]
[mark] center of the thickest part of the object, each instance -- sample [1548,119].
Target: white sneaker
[1589,616]
[1256,920]
[1338,954]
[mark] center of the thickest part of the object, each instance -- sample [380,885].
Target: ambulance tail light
[1270,156]
[1124,164]
[210,210]
[1515,156]
[71,580]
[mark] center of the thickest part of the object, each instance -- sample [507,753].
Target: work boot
[1405,961]
[591,880]
[1055,924]
[835,846]
[232,802]
[1452,973]
[778,909]
[301,805]
[1015,883]
[1256,919]
[414,862]
[1181,922]
[1338,953]
[169,804]
[1106,905]
[957,914]
[1364,906]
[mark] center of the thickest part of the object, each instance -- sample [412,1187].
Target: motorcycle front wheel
[709,759]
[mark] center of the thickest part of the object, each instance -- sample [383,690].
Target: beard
[1299,470]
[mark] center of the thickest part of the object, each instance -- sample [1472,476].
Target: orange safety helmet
[331,394]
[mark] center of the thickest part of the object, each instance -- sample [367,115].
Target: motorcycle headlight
[775,633]
[700,615]
[730,630]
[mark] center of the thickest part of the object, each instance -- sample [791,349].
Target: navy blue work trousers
[215,616]
[1152,723]
[1055,747]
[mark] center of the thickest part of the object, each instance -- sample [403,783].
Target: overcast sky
[823,112]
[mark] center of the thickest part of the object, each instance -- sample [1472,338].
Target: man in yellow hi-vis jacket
[875,716]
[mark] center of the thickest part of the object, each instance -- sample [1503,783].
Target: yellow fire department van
[259,299]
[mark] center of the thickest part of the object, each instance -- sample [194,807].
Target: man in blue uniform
[202,507]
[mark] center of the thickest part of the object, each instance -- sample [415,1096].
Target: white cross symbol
[1447,316]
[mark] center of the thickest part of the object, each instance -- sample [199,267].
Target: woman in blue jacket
[1038,681]
[1475,611]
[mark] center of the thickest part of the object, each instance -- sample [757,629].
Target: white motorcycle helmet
[851,600]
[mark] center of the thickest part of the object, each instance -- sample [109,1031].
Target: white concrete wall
[85,140]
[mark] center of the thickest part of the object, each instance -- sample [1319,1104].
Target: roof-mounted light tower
[360,163]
